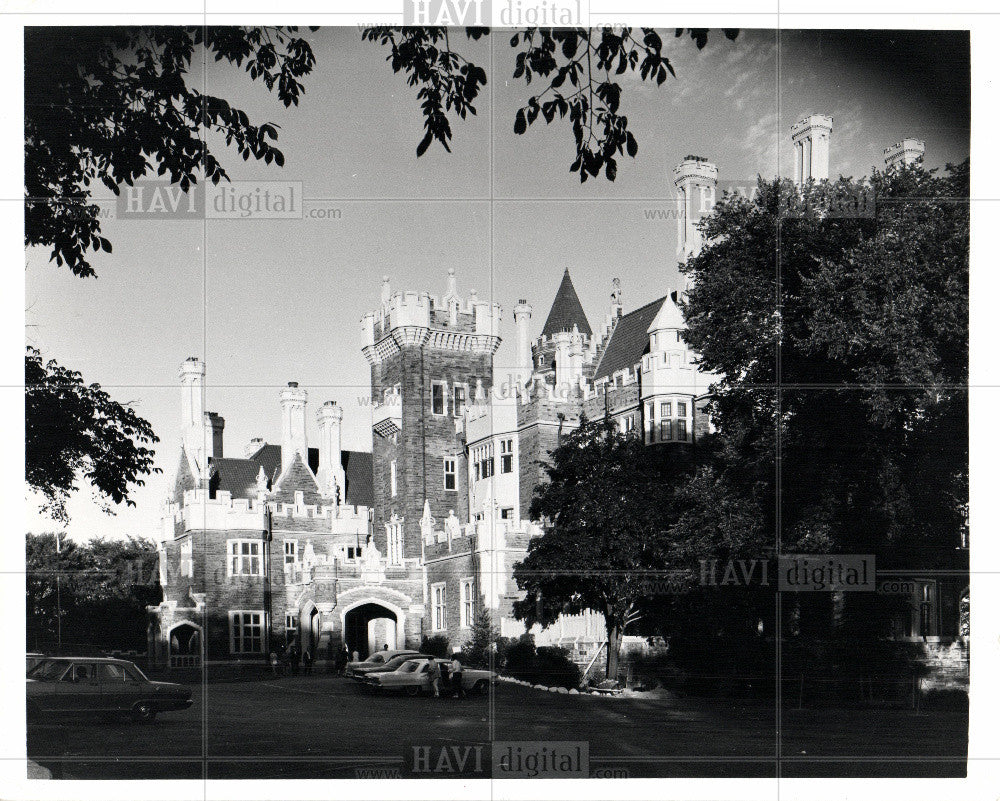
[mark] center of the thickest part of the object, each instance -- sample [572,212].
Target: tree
[73,429]
[109,105]
[585,57]
[85,586]
[478,650]
[606,509]
[851,360]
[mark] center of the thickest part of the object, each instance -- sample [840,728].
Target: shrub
[553,667]
[436,645]
[548,665]
[519,657]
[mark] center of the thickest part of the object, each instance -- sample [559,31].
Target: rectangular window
[439,404]
[682,433]
[450,476]
[187,559]
[437,606]
[487,467]
[664,431]
[291,552]
[682,409]
[468,608]
[246,632]
[392,478]
[352,553]
[460,392]
[244,558]
[478,469]
[291,628]
[394,538]
[507,513]
[506,456]
[665,410]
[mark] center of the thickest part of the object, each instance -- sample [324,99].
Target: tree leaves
[113,105]
[448,83]
[869,326]
[73,430]
[577,63]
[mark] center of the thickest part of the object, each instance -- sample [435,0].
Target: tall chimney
[192,375]
[522,319]
[331,468]
[215,424]
[293,425]
[811,143]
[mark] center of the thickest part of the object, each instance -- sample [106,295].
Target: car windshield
[409,667]
[48,670]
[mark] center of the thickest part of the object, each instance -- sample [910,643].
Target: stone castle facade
[324,547]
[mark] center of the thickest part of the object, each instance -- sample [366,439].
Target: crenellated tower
[427,356]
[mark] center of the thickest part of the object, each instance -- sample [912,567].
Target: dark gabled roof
[239,476]
[629,341]
[566,310]
[270,457]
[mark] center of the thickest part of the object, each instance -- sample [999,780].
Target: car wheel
[413,691]
[143,712]
[481,687]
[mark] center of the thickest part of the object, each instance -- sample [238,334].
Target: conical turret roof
[566,310]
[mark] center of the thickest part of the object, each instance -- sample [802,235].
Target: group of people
[448,679]
[291,659]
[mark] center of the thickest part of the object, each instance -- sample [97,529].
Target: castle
[325,547]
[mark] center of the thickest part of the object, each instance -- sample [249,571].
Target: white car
[376,659]
[413,678]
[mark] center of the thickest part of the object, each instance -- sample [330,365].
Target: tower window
[291,552]
[450,482]
[506,456]
[392,478]
[460,394]
[244,558]
[439,405]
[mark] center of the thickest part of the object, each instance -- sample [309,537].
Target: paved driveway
[323,726]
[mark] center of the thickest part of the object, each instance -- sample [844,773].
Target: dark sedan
[68,685]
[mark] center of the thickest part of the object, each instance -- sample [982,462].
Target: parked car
[84,685]
[363,669]
[377,659]
[412,678]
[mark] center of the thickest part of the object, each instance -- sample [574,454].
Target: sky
[265,302]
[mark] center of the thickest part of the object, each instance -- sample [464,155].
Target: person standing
[455,669]
[434,671]
[273,658]
[307,662]
[293,659]
[342,659]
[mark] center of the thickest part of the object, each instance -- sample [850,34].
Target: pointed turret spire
[566,310]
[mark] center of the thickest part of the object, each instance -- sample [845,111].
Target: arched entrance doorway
[369,627]
[309,621]
[184,641]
